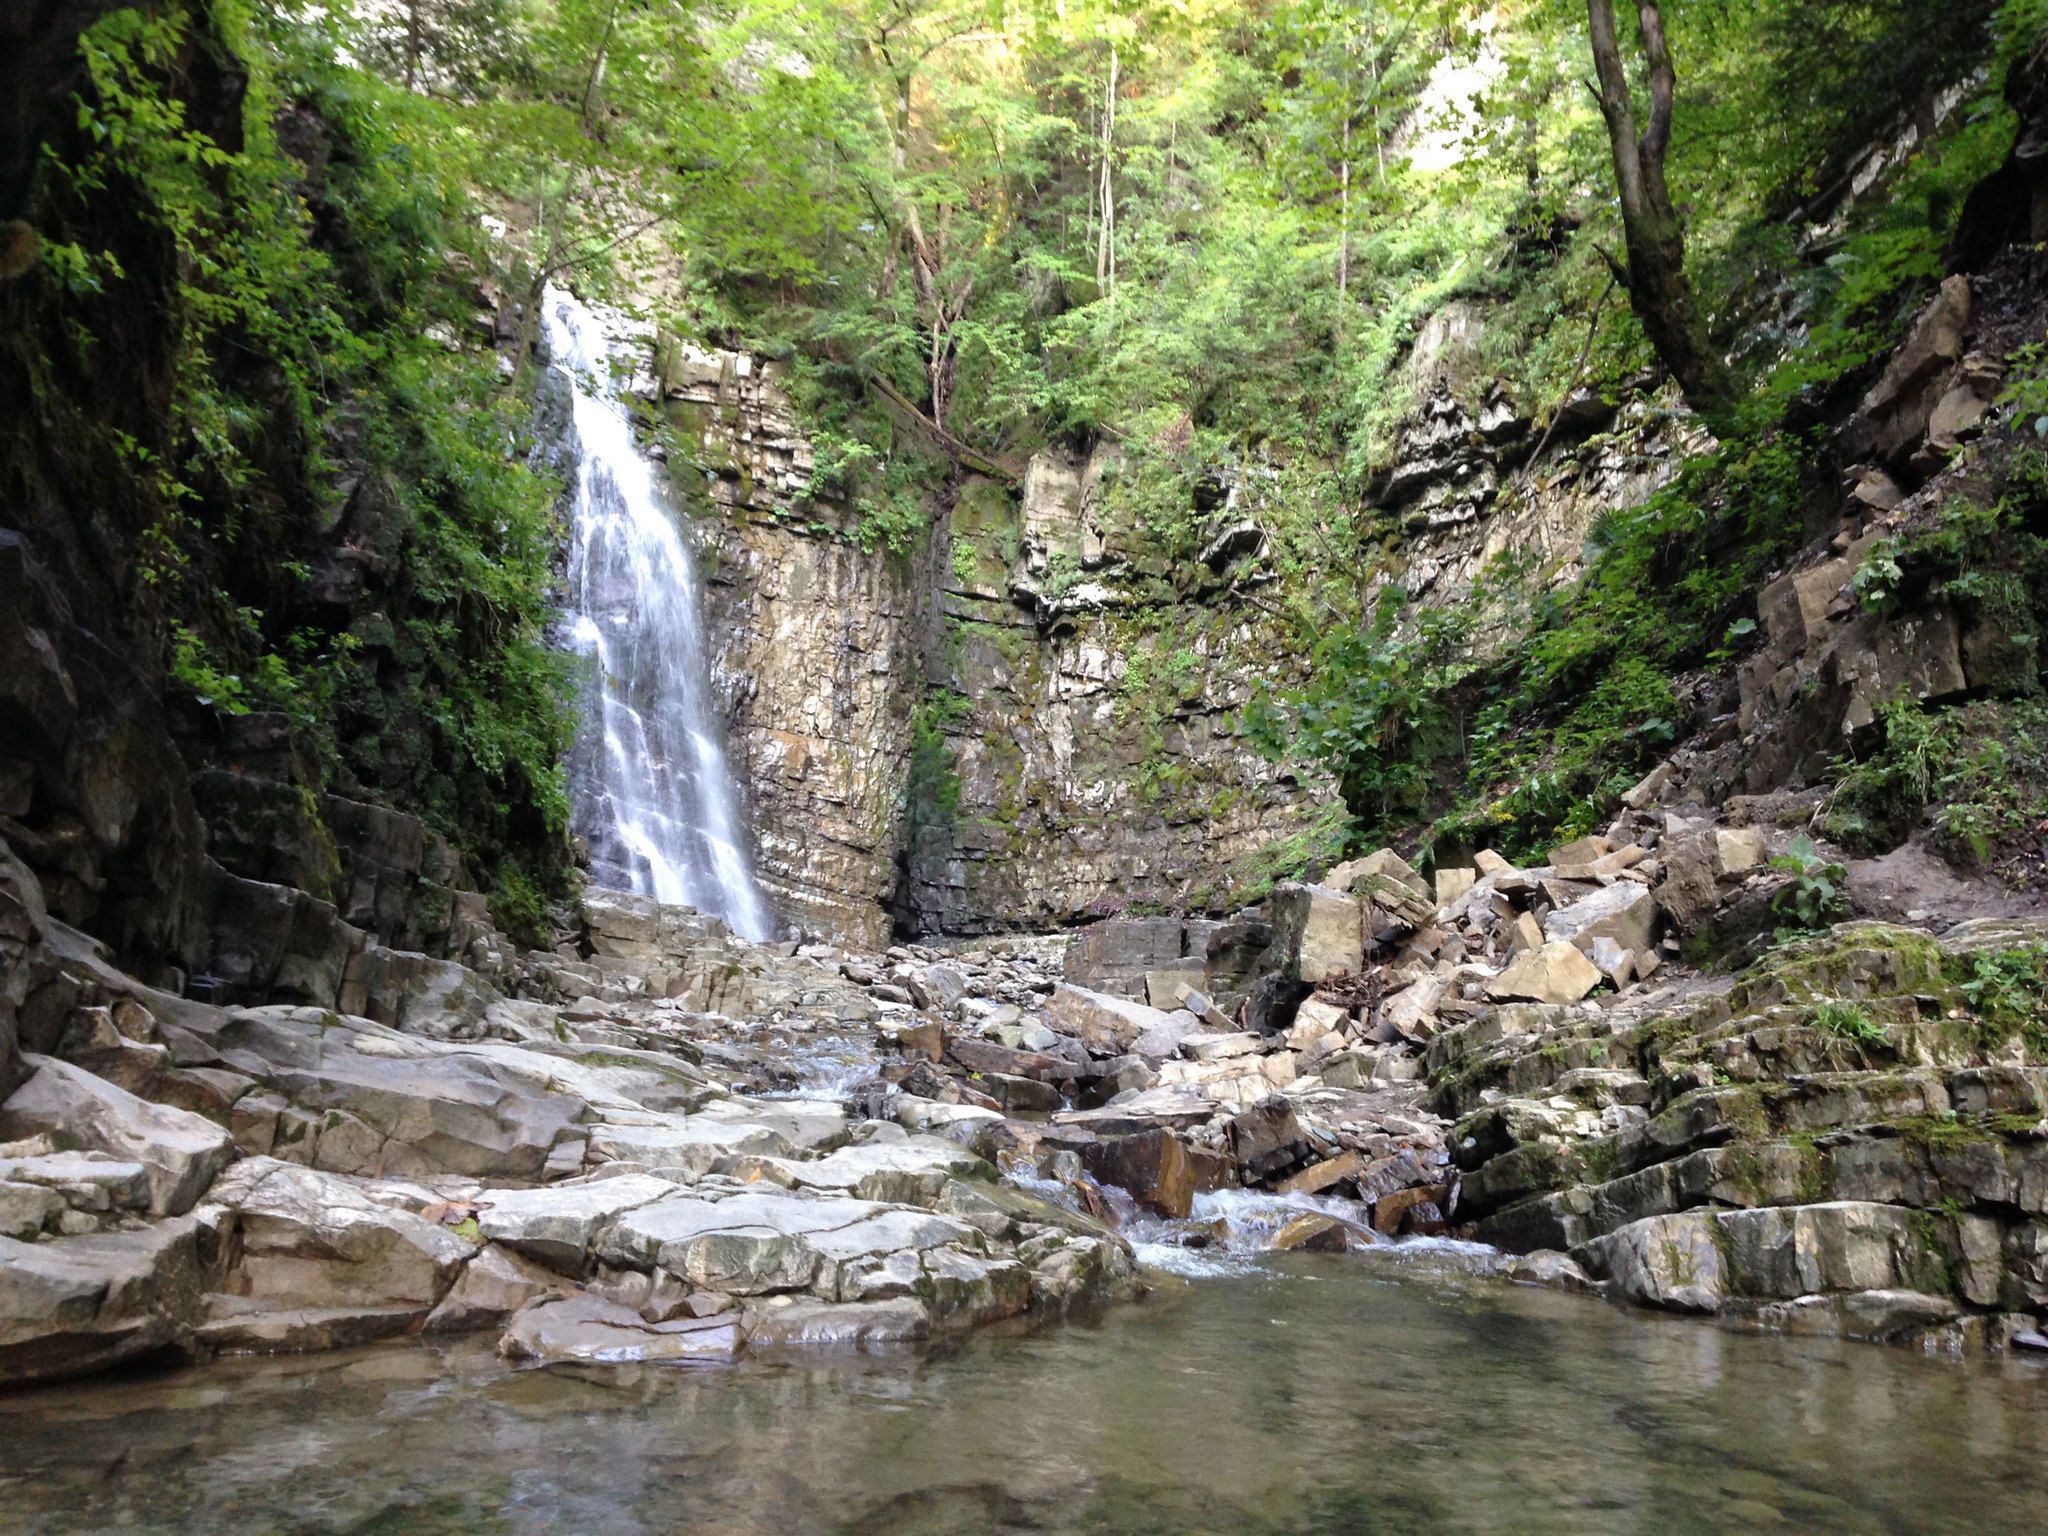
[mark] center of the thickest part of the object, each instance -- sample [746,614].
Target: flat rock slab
[559,1225]
[593,1330]
[752,1244]
[693,1145]
[75,1109]
[910,1172]
[486,1110]
[313,1239]
[1173,1108]
[1103,1022]
[78,1304]
[237,1325]
[790,1323]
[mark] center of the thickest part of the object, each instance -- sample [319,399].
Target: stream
[1297,1394]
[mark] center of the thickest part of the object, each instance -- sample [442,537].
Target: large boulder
[311,1239]
[559,1225]
[592,1330]
[1318,933]
[1115,954]
[80,1112]
[375,1102]
[1556,972]
[755,1243]
[1103,1023]
[80,1304]
[1624,912]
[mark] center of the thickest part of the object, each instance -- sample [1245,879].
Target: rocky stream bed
[1376,1112]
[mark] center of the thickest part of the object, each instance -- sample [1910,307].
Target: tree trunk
[1657,287]
[1105,247]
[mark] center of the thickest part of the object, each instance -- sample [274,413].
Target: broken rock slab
[78,1304]
[1317,932]
[593,1330]
[1103,1022]
[1556,972]
[77,1111]
[1151,1166]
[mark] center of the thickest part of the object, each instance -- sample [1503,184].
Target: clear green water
[1310,1395]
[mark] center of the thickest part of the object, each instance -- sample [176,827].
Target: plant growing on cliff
[1812,898]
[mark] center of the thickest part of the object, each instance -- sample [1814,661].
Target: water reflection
[1324,1394]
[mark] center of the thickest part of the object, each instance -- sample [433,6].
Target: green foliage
[1847,1021]
[301,310]
[934,785]
[1813,897]
[1379,708]
[2005,989]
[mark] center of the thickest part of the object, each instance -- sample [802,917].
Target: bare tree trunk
[1344,217]
[1657,287]
[604,43]
[1105,247]
[412,45]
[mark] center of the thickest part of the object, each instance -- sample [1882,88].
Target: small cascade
[649,785]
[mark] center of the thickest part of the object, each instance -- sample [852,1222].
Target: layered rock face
[963,738]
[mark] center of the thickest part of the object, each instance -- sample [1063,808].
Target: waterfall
[648,781]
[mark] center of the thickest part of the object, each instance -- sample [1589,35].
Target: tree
[1658,289]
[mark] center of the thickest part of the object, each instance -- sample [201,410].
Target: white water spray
[649,784]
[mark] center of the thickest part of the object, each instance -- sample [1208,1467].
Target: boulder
[938,987]
[797,1322]
[493,1285]
[1313,1232]
[1151,1166]
[1115,954]
[1164,1039]
[1669,1261]
[1453,883]
[1624,912]
[1317,933]
[78,1111]
[306,1238]
[754,1243]
[1412,1011]
[1103,1022]
[1737,850]
[1556,972]
[1266,1140]
[1164,989]
[79,1304]
[560,1224]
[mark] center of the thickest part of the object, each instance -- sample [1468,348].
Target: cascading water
[649,785]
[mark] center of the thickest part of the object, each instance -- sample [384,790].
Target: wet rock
[1326,1174]
[793,1322]
[593,1330]
[1152,1166]
[76,1110]
[1313,1232]
[1266,1140]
